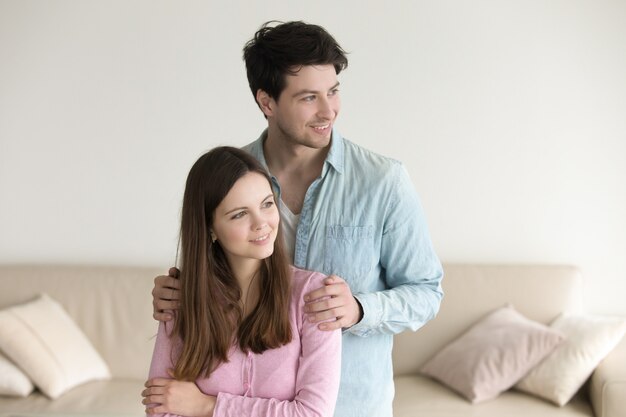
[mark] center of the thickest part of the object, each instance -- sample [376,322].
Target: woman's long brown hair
[210,318]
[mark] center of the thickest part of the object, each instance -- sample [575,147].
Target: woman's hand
[163,395]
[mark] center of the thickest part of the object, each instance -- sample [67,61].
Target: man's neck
[295,166]
[286,158]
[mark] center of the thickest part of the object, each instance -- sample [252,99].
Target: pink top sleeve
[162,356]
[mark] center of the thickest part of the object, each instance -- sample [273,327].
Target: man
[346,211]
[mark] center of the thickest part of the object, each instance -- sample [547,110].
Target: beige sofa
[112,305]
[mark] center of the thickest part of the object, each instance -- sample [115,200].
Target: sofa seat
[421,396]
[117,397]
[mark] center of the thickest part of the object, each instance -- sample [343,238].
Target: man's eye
[333,92]
[308,98]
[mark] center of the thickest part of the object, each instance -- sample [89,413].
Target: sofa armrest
[608,384]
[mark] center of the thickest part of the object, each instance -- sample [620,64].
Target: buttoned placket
[306,218]
[247,374]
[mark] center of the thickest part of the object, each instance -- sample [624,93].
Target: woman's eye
[268,204]
[239,215]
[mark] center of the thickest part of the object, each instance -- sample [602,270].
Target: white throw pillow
[492,355]
[12,380]
[588,340]
[43,340]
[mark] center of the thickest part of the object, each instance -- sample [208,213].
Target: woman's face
[246,221]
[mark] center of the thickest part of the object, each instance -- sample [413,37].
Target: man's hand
[163,395]
[333,300]
[166,295]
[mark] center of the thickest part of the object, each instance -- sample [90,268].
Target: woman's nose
[259,223]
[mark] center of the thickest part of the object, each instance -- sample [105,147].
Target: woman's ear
[213,237]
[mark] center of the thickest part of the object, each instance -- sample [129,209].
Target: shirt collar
[335,157]
[256,149]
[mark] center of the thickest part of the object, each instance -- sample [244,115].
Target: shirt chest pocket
[349,252]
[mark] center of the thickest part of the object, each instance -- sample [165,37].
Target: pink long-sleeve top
[300,378]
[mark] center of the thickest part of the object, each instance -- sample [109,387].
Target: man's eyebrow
[303,92]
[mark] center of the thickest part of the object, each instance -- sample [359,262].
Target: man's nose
[324,108]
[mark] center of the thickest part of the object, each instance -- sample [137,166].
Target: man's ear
[265,102]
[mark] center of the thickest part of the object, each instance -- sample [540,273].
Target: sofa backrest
[112,305]
[539,292]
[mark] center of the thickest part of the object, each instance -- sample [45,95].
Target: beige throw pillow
[492,355]
[13,382]
[564,371]
[46,344]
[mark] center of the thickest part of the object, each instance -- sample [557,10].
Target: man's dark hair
[276,51]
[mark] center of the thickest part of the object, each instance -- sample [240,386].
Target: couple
[254,336]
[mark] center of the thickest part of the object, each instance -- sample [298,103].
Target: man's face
[307,107]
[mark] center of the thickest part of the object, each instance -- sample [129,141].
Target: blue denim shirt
[362,221]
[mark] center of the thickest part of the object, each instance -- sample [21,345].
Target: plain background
[509,115]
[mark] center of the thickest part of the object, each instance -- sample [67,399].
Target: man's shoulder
[250,147]
[366,156]
[369,164]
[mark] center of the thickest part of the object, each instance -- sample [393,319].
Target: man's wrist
[358,303]
[359,316]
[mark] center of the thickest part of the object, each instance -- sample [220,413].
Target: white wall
[510,116]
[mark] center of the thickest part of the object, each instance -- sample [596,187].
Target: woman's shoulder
[303,280]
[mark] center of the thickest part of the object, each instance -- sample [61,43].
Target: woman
[240,344]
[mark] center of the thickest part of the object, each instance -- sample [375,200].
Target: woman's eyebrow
[245,207]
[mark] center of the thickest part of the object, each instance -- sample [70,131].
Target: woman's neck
[247,275]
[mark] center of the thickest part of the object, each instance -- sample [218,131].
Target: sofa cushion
[110,398]
[421,396]
[43,340]
[564,371]
[492,355]
[12,380]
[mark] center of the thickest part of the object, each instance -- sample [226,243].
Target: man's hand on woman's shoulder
[166,295]
[333,305]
